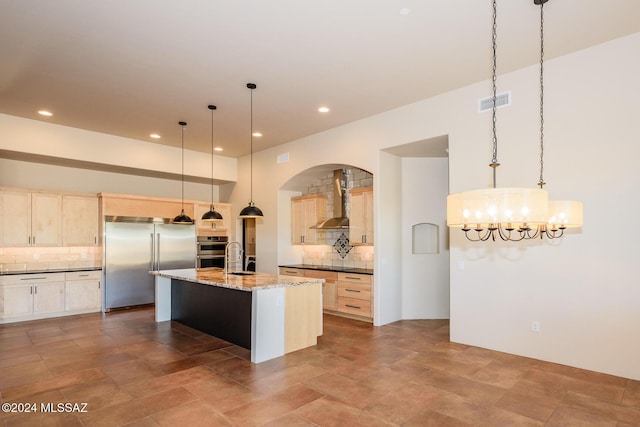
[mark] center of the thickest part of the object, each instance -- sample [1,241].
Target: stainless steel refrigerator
[135,246]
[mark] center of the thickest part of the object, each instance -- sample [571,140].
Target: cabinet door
[82,295]
[361,216]
[310,208]
[48,297]
[46,219]
[15,218]
[79,221]
[17,300]
[330,295]
[297,222]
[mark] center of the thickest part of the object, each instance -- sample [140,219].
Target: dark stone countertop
[51,270]
[329,268]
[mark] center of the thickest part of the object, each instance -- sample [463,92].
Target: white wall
[425,277]
[36,176]
[37,137]
[582,289]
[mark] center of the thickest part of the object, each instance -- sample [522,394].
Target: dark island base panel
[221,312]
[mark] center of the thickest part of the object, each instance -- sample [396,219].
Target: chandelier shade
[507,208]
[565,214]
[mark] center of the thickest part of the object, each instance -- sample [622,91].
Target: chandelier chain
[494,78]
[541,182]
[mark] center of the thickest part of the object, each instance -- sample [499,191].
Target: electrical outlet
[535,326]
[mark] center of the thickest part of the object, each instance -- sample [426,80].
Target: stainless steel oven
[210,251]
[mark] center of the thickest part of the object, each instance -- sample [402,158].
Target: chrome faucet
[226,255]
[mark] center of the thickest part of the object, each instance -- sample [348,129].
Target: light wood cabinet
[307,211]
[79,220]
[215,228]
[30,219]
[83,291]
[361,216]
[26,296]
[354,294]
[287,271]
[329,287]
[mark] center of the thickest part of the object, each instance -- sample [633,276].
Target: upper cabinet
[30,219]
[47,219]
[361,216]
[307,211]
[79,220]
[221,227]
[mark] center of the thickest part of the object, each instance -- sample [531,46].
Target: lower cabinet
[354,294]
[31,295]
[343,294]
[36,296]
[83,290]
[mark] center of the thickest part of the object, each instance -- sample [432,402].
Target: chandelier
[562,214]
[511,214]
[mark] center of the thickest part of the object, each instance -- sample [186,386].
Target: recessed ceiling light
[155,136]
[218,149]
[257,134]
[324,109]
[45,113]
[405,11]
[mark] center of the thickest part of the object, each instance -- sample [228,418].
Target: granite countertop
[329,268]
[249,281]
[51,270]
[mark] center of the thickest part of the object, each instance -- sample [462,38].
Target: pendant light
[182,218]
[507,213]
[212,215]
[562,214]
[251,211]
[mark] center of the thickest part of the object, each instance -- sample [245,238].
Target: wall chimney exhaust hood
[340,219]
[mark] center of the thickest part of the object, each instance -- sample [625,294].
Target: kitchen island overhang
[269,314]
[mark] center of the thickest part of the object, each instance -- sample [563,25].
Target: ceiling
[132,68]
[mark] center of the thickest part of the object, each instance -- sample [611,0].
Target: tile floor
[131,371]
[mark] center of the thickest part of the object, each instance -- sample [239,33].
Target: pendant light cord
[182,124]
[251,148]
[212,107]
[541,182]
[494,37]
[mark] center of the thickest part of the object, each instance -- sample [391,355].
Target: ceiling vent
[486,104]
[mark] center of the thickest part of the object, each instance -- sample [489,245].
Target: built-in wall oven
[210,252]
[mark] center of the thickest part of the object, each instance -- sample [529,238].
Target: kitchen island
[268,314]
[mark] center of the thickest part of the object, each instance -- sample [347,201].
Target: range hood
[340,219]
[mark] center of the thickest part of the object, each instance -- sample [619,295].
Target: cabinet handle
[352,290]
[31,290]
[98,285]
[33,278]
[289,271]
[83,275]
[95,240]
[353,306]
[352,278]
[29,240]
[34,240]
[35,289]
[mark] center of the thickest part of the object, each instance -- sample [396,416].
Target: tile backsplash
[327,254]
[49,258]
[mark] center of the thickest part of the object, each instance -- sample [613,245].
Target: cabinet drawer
[291,271]
[354,306]
[361,291]
[84,275]
[354,278]
[16,279]
[329,276]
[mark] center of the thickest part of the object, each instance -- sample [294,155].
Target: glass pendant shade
[251,211]
[565,214]
[508,208]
